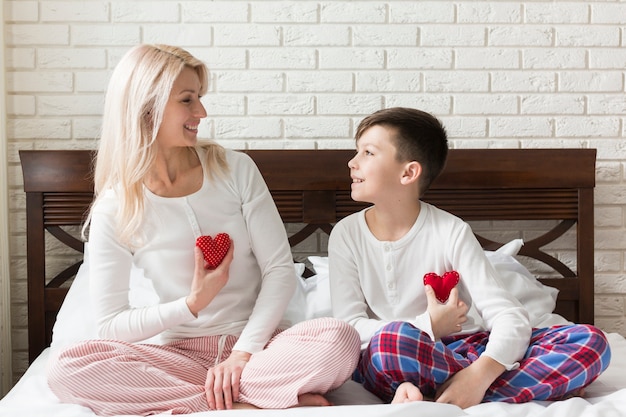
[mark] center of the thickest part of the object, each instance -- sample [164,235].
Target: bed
[512,188]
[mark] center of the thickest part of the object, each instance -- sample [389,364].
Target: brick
[353,11]
[610,58]
[19,58]
[485,104]
[587,36]
[247,35]
[376,35]
[591,81]
[547,12]
[421,12]
[520,127]
[608,13]
[489,12]
[72,11]
[386,81]
[487,58]
[139,11]
[587,126]
[319,81]
[284,12]
[282,58]
[554,58]
[281,104]
[456,81]
[317,35]
[107,35]
[38,129]
[338,104]
[221,58]
[359,58]
[215,11]
[248,128]
[21,105]
[523,82]
[453,35]
[21,11]
[21,81]
[438,104]
[607,104]
[84,105]
[188,34]
[317,127]
[419,58]
[75,58]
[32,34]
[552,104]
[249,81]
[520,36]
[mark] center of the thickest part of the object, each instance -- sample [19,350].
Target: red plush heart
[214,250]
[442,285]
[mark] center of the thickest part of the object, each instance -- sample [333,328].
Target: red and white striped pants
[113,377]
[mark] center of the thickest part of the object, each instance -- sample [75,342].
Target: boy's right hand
[445,318]
[207,282]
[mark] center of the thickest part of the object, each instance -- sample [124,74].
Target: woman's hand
[222,381]
[207,282]
[446,318]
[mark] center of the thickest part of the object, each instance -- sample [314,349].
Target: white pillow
[538,299]
[76,321]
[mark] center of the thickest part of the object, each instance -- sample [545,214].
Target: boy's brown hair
[418,136]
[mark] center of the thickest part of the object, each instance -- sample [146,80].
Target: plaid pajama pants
[558,361]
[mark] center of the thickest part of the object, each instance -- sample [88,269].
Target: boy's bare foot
[312,400]
[580,392]
[407,393]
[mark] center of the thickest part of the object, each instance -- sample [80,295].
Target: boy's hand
[445,318]
[468,386]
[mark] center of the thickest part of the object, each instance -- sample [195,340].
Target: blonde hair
[135,101]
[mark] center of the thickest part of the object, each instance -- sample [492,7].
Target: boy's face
[374,170]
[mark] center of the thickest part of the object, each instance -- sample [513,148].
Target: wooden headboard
[312,189]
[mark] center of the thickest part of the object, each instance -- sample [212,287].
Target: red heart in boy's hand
[442,285]
[214,250]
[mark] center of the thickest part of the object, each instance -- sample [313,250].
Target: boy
[416,346]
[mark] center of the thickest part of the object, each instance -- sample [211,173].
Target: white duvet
[606,397]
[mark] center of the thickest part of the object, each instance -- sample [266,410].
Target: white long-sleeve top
[261,277]
[375,282]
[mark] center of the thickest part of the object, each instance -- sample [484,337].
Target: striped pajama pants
[558,361]
[113,377]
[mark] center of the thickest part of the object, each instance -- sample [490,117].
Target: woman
[157,190]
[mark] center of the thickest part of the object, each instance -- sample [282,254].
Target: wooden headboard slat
[312,187]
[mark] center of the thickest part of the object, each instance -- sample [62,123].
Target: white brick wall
[301,74]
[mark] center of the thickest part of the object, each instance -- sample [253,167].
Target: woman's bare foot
[407,393]
[242,406]
[312,400]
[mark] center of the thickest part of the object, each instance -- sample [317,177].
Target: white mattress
[606,397]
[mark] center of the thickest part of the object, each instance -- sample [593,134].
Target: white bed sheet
[606,397]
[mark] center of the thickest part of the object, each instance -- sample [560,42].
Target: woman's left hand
[222,381]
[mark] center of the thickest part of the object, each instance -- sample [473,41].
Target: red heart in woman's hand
[214,250]
[442,285]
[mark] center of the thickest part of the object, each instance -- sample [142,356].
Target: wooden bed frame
[312,189]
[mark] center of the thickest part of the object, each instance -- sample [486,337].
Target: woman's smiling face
[183,112]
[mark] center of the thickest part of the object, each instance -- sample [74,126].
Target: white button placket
[390,275]
[191,217]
